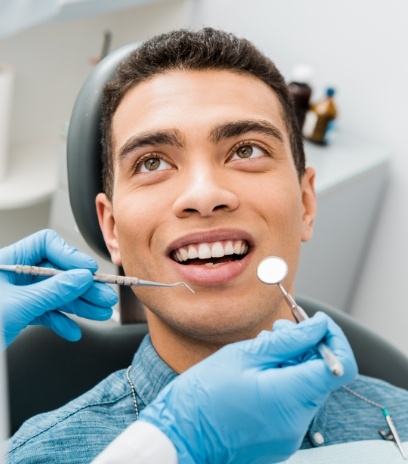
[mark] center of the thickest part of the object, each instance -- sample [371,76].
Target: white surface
[6,93]
[140,443]
[53,60]
[361,452]
[18,15]
[350,180]
[31,177]
[347,158]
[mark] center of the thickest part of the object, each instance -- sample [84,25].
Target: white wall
[360,47]
[51,62]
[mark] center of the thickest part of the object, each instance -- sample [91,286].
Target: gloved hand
[250,402]
[26,299]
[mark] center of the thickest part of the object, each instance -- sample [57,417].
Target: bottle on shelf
[320,119]
[301,91]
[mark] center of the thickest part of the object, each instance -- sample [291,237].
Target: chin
[215,329]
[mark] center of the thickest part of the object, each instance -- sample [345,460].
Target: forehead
[193,101]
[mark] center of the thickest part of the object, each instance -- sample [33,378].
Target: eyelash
[145,157]
[251,143]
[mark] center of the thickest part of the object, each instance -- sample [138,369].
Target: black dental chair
[45,371]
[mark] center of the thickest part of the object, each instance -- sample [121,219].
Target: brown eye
[152,164]
[245,151]
[248,152]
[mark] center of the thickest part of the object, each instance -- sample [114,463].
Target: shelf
[31,177]
[348,157]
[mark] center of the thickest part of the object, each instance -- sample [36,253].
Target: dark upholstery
[84,150]
[45,371]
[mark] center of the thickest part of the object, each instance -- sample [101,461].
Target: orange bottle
[319,122]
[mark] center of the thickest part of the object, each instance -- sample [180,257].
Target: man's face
[205,187]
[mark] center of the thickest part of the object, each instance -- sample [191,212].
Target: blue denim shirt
[79,431]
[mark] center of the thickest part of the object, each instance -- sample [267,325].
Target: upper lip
[208,237]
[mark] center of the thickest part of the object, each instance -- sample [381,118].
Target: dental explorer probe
[105,278]
[273,270]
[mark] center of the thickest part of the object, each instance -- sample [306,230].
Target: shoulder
[355,413]
[377,391]
[90,422]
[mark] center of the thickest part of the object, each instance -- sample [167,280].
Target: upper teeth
[210,250]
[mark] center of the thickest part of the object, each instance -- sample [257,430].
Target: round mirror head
[272,270]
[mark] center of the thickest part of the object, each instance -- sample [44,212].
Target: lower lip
[216,275]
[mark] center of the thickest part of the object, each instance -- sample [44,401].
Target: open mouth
[211,254]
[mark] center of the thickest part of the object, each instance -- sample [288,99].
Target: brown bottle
[319,122]
[301,92]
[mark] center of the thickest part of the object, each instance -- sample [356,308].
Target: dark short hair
[206,49]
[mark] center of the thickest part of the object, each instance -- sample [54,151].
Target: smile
[211,253]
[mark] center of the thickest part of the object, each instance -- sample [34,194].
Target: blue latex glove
[245,404]
[27,299]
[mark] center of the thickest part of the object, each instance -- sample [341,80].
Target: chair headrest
[84,150]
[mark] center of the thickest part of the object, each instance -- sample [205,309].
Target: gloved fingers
[86,310]
[287,343]
[318,380]
[61,324]
[80,295]
[282,324]
[100,294]
[46,245]
[336,340]
[56,291]
[64,256]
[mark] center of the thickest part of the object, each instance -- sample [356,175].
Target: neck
[182,351]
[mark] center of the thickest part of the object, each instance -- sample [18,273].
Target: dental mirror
[272,270]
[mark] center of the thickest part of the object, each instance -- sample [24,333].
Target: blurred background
[358,260]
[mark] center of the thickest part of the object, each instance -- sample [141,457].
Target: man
[204,176]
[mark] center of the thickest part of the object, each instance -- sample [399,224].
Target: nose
[204,192]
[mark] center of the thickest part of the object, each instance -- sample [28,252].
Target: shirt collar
[149,373]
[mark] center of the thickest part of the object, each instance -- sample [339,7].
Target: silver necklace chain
[362,398]
[133,390]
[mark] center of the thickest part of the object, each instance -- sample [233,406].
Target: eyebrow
[172,137]
[237,128]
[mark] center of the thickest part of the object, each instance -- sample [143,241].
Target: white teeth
[182,254]
[204,251]
[229,248]
[192,253]
[217,250]
[237,248]
[210,250]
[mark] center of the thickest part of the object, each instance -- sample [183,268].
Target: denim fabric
[79,431]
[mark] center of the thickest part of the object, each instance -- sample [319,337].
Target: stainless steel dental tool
[105,278]
[273,270]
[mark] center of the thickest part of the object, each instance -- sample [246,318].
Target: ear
[309,204]
[107,224]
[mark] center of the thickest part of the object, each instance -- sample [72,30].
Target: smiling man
[204,182]
[204,176]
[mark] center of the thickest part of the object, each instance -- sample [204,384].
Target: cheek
[137,217]
[279,203]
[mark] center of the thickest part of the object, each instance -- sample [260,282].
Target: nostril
[218,207]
